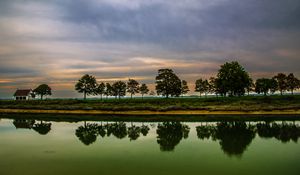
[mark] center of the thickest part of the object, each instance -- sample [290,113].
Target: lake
[35,147]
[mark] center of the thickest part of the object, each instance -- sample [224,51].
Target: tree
[108,90]
[42,90]
[132,87]
[232,79]
[100,89]
[184,87]
[152,93]
[119,89]
[264,85]
[201,86]
[212,85]
[292,83]
[167,83]
[144,90]
[250,86]
[281,79]
[87,85]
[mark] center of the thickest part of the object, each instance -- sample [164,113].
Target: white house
[24,94]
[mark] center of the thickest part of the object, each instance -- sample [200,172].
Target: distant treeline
[231,80]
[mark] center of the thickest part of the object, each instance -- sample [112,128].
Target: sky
[57,41]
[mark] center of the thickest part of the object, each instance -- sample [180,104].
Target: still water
[36,147]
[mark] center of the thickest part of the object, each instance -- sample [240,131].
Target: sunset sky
[57,41]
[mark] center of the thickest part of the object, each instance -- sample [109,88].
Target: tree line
[231,80]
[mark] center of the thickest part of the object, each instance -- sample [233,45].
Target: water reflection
[42,128]
[169,134]
[234,137]
[88,133]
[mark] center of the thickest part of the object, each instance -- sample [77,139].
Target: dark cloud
[57,41]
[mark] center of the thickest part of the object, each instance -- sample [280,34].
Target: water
[37,147]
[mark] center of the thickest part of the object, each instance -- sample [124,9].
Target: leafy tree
[281,79]
[144,90]
[152,93]
[119,89]
[108,90]
[100,89]
[42,90]
[167,83]
[132,87]
[232,79]
[201,86]
[87,85]
[250,86]
[292,83]
[264,85]
[184,87]
[212,85]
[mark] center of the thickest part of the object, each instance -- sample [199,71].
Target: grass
[245,103]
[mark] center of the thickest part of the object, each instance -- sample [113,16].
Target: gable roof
[22,92]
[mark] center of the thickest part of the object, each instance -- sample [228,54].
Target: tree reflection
[234,137]
[170,134]
[87,134]
[134,132]
[119,130]
[42,128]
[101,130]
[145,129]
[284,132]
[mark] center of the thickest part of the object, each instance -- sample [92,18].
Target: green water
[37,147]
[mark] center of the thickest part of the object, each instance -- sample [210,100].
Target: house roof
[22,92]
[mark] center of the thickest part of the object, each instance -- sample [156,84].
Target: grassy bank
[242,104]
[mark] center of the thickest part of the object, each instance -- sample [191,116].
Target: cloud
[57,41]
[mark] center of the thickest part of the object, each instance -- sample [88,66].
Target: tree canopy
[87,85]
[119,89]
[43,90]
[167,83]
[133,87]
[144,90]
[201,86]
[232,79]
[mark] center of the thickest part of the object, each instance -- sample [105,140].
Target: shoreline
[148,112]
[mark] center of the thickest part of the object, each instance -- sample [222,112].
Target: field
[245,103]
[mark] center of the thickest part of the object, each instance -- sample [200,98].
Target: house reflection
[41,127]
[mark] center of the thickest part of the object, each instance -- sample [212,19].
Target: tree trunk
[280,92]
[41,96]
[131,96]
[292,92]
[84,95]
[200,94]
[101,97]
[142,96]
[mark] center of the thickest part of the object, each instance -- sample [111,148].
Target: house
[24,94]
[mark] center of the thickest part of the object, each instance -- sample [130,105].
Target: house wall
[21,98]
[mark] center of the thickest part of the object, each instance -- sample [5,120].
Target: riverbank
[145,112]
